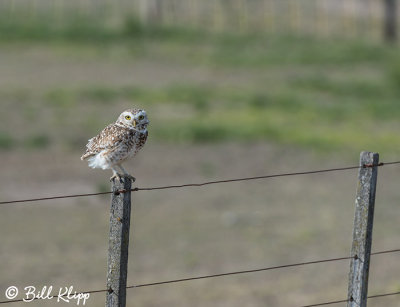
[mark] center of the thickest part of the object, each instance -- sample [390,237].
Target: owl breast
[132,143]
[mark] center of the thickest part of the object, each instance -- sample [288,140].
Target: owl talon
[120,177]
[116,176]
[133,179]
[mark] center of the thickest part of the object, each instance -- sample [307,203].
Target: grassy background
[221,105]
[275,88]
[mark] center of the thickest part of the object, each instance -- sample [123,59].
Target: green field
[316,93]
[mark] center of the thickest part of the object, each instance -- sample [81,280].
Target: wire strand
[245,179]
[384,294]
[312,305]
[202,184]
[246,272]
[326,303]
[52,197]
[264,177]
[346,300]
[258,270]
[238,272]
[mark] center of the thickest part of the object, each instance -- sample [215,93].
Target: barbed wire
[203,183]
[313,305]
[244,272]
[326,303]
[384,294]
[347,300]
[53,197]
[259,270]
[264,177]
[229,273]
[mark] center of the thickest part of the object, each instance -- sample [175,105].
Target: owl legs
[115,175]
[118,176]
[126,174]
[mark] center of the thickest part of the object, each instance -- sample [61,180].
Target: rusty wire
[203,183]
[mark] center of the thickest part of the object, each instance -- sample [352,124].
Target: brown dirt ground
[196,231]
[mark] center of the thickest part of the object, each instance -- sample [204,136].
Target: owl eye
[127,117]
[141,117]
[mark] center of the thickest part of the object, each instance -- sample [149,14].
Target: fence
[350,18]
[360,253]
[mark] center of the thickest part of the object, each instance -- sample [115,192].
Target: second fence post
[117,267]
[362,232]
[390,21]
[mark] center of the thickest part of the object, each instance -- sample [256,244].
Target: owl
[118,142]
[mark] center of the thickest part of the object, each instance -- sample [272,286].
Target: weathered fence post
[390,22]
[117,267]
[362,231]
[150,11]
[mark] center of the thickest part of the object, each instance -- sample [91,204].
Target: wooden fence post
[362,231]
[390,22]
[117,267]
[151,11]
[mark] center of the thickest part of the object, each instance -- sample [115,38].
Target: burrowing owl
[118,142]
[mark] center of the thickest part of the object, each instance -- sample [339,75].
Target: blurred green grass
[323,94]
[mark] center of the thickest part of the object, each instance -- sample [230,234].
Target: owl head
[134,118]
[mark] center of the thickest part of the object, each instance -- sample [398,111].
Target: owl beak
[134,123]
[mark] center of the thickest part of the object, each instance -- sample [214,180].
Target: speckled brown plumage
[118,142]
